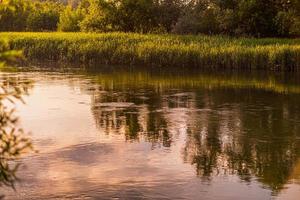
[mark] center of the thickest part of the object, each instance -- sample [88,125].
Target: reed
[159,50]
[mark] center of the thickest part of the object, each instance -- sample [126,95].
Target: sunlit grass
[159,50]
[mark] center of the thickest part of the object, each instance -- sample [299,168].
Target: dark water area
[130,134]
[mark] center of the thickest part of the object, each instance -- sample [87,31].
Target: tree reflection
[130,115]
[13,141]
[250,133]
[259,142]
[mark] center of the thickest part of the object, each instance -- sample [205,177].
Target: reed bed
[159,50]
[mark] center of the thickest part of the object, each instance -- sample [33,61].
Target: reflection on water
[13,142]
[246,132]
[147,135]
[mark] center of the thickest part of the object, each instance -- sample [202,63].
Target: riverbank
[159,50]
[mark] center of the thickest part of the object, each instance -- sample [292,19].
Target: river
[137,134]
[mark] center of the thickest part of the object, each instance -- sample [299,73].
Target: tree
[168,13]
[199,17]
[13,13]
[45,17]
[256,17]
[70,19]
[135,15]
[98,16]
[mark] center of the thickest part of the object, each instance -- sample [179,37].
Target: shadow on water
[13,141]
[234,124]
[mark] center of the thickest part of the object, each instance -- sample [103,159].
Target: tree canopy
[258,18]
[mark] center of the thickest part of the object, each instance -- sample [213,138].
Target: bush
[70,20]
[97,18]
[6,54]
[45,17]
[167,13]
[284,22]
[202,18]
[135,16]
[295,29]
[13,13]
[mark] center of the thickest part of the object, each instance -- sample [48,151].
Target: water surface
[144,135]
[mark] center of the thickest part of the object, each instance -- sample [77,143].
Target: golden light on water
[138,141]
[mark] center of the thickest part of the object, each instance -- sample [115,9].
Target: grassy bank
[159,50]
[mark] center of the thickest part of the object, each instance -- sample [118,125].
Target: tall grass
[159,50]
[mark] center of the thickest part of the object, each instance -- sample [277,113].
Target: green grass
[159,50]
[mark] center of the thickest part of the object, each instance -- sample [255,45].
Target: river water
[136,134]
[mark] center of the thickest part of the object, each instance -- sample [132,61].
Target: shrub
[13,13]
[201,18]
[98,16]
[70,20]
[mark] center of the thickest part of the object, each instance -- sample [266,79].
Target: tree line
[257,18]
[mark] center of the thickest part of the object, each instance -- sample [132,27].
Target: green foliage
[258,18]
[135,15]
[70,19]
[12,15]
[13,142]
[44,18]
[21,15]
[160,50]
[167,13]
[201,17]
[7,55]
[295,27]
[97,18]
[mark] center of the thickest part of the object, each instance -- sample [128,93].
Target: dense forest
[256,18]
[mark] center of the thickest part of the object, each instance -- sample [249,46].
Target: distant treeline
[258,18]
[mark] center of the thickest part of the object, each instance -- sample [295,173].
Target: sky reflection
[147,136]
